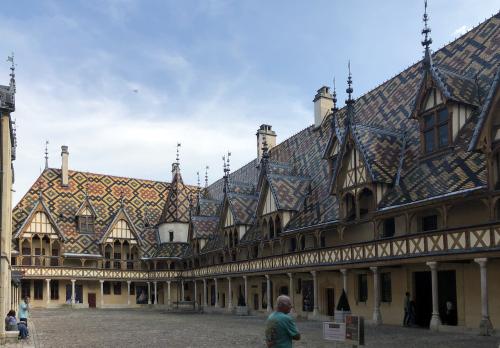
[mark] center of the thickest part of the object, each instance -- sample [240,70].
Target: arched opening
[117,255]
[265,234]
[366,202]
[108,250]
[37,248]
[55,253]
[388,228]
[235,238]
[134,257]
[26,252]
[277,224]
[349,205]
[302,242]
[271,229]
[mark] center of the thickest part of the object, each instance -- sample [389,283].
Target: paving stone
[154,328]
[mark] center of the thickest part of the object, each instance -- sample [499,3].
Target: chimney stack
[265,132]
[323,104]
[64,165]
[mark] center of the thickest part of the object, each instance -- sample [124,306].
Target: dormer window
[85,219]
[436,130]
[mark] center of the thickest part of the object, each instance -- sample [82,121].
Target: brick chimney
[64,165]
[323,103]
[265,132]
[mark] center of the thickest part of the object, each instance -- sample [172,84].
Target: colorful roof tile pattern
[143,202]
[204,226]
[172,250]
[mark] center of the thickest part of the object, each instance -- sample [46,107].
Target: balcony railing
[455,241]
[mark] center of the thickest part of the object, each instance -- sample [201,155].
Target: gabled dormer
[85,217]
[444,102]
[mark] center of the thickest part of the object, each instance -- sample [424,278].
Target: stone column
[73,281]
[344,278]
[216,294]
[229,295]
[48,292]
[128,292]
[182,290]
[485,326]
[245,294]
[291,291]
[435,319]
[149,292]
[204,301]
[102,292]
[268,293]
[315,292]
[377,316]
[195,294]
[169,299]
[155,296]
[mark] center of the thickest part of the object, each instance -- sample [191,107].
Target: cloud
[461,30]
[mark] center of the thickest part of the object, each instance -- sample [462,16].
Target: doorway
[447,297]
[91,299]
[78,293]
[330,301]
[307,295]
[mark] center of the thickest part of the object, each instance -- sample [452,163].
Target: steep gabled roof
[177,206]
[121,214]
[39,206]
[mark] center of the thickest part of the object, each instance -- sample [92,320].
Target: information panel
[334,331]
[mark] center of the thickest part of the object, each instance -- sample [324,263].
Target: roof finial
[265,148]
[46,154]
[206,176]
[122,195]
[349,89]
[177,154]
[12,73]
[198,177]
[426,42]
[334,96]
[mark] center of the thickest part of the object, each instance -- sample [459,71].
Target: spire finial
[122,200]
[12,73]
[349,89]
[334,96]
[426,31]
[206,176]
[177,153]
[198,177]
[46,154]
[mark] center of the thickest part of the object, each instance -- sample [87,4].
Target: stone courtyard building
[396,191]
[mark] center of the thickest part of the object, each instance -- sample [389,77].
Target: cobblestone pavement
[154,328]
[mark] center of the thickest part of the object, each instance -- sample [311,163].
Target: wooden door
[330,301]
[92,301]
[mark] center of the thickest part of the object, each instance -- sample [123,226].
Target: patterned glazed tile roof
[172,250]
[204,226]
[208,207]
[143,202]
[289,191]
[178,204]
[243,207]
[252,235]
[214,242]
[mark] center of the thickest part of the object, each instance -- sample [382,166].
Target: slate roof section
[289,191]
[208,207]
[172,250]
[204,226]
[243,207]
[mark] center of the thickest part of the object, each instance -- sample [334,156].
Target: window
[132,288]
[322,240]
[25,288]
[106,288]
[54,290]
[171,236]
[435,129]
[389,228]
[293,244]
[38,287]
[362,288]
[117,288]
[385,288]
[429,223]
[86,224]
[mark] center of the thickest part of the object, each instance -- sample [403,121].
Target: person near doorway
[24,309]
[280,327]
[406,319]
[450,316]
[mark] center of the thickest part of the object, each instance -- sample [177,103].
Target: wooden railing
[473,239]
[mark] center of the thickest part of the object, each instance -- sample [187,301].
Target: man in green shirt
[280,327]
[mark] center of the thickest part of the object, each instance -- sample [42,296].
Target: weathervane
[198,176]
[46,154]
[177,153]
[12,72]
[334,96]
[349,89]
[206,176]
[426,31]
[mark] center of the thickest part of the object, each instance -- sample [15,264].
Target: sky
[121,82]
